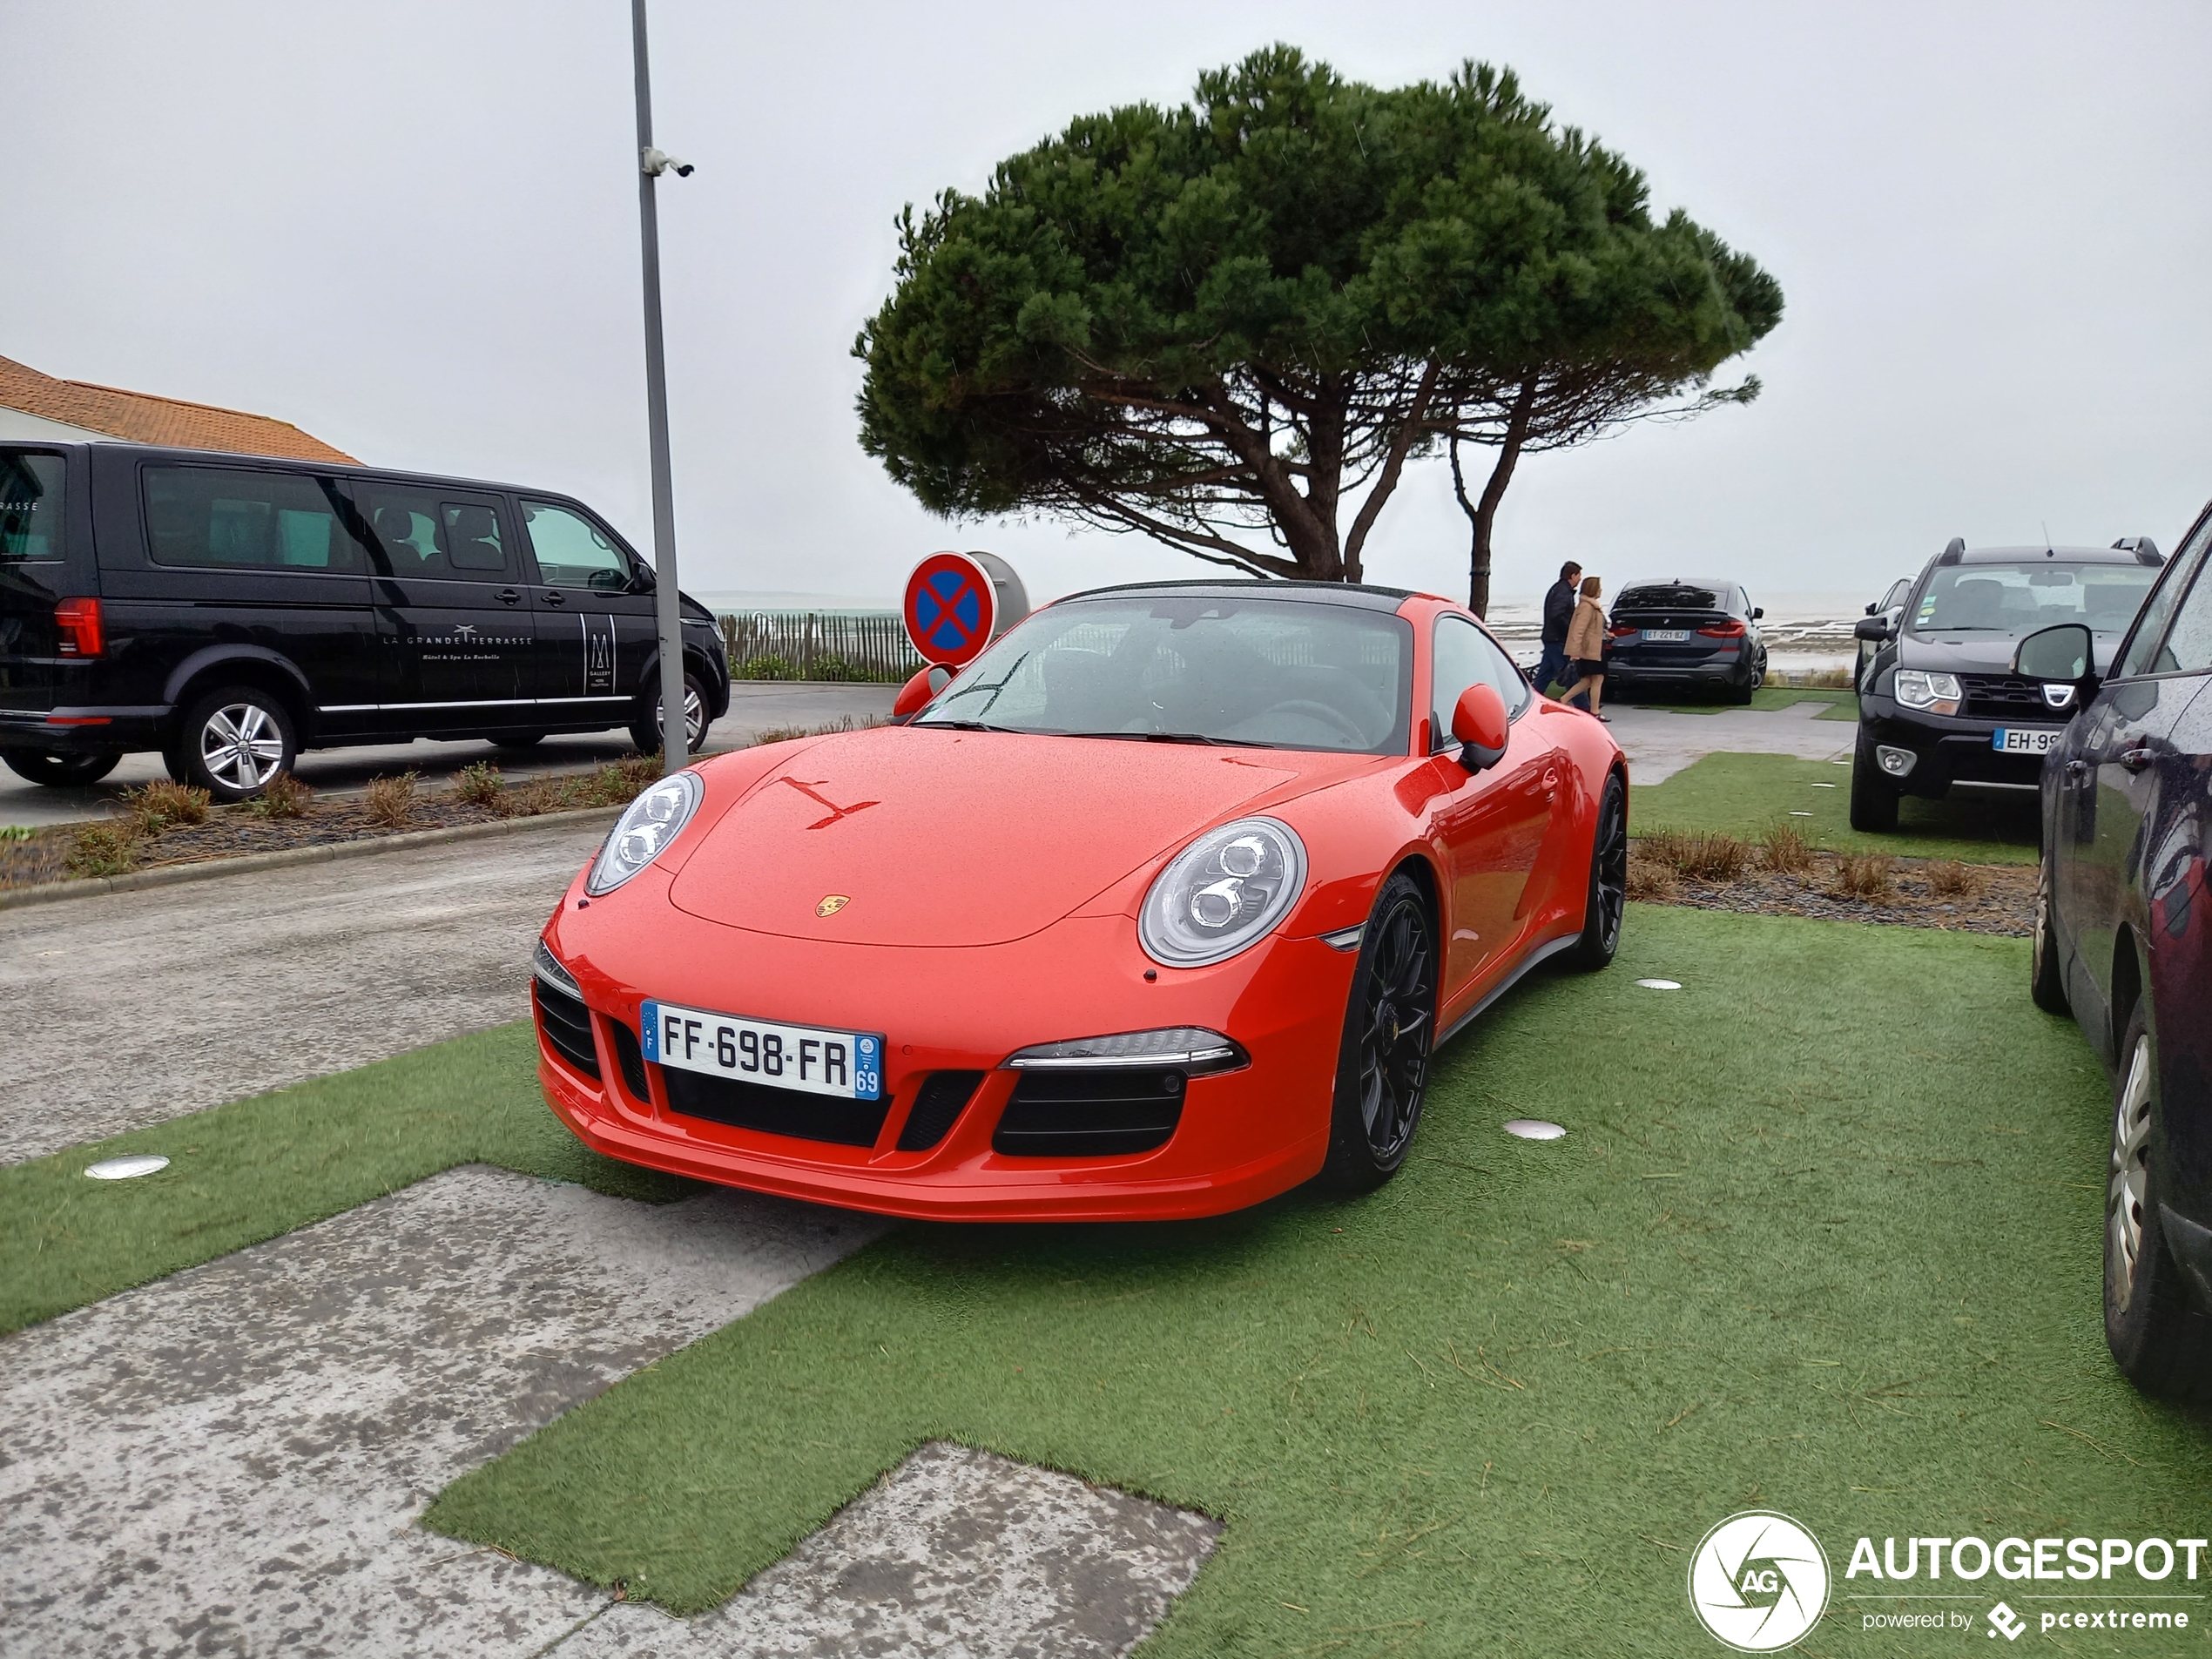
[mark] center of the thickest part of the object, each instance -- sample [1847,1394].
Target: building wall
[14,423]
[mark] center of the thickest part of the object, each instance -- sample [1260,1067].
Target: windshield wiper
[968,725]
[1171,737]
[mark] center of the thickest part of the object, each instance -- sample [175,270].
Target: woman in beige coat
[1586,648]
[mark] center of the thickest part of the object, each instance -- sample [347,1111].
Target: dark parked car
[230,611]
[1939,704]
[2124,940]
[1697,633]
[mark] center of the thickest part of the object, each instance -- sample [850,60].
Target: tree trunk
[1483,514]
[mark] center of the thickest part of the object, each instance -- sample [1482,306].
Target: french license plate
[847,1065]
[1667,636]
[2015,741]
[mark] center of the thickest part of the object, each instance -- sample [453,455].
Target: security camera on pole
[674,741]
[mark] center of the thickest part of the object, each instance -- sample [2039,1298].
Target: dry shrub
[1949,879]
[619,782]
[164,803]
[103,849]
[780,734]
[534,798]
[390,802]
[1828,680]
[1650,880]
[479,784]
[283,796]
[1703,857]
[1864,878]
[1785,851]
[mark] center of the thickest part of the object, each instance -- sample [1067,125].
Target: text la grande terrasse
[2022,1558]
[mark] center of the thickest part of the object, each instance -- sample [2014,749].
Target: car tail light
[1729,629]
[1619,631]
[78,621]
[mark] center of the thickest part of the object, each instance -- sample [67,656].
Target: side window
[225,518]
[30,505]
[572,551]
[1465,657]
[423,533]
[2187,649]
[2145,653]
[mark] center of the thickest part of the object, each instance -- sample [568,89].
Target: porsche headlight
[1935,693]
[646,828]
[1221,893]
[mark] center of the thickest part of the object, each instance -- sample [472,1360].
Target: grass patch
[258,1168]
[1805,1246]
[1844,704]
[1747,795]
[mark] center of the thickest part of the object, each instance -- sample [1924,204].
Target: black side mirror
[1871,627]
[2064,658]
[1871,607]
[642,579]
[1758,612]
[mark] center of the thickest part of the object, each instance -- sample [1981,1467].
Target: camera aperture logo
[1758,1582]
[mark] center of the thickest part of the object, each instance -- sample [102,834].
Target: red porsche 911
[1160,908]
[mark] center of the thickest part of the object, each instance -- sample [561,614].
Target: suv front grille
[772,1110]
[1090,1114]
[2000,697]
[942,1097]
[567,1025]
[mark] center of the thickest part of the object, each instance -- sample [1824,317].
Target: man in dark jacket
[1559,611]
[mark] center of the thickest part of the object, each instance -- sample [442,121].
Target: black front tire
[1873,798]
[1607,902]
[1389,1037]
[2046,970]
[645,730]
[59,771]
[232,741]
[2159,1337]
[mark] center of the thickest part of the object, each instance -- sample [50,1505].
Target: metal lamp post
[674,745]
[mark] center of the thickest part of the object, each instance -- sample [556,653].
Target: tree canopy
[1222,324]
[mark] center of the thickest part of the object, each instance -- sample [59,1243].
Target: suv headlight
[1222,893]
[1933,694]
[644,830]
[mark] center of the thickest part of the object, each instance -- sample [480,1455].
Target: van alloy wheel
[241,746]
[2127,1182]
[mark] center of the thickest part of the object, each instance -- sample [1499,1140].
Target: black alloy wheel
[1607,900]
[646,734]
[1389,1034]
[2159,1336]
[59,771]
[2046,975]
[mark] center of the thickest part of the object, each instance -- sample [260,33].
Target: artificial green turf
[258,1168]
[1843,705]
[1747,795]
[1824,1236]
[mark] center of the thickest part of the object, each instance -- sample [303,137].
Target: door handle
[510,596]
[555,597]
[2136,759]
[2077,770]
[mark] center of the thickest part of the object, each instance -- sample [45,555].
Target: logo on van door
[599,654]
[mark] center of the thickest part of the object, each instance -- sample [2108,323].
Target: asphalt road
[755,706]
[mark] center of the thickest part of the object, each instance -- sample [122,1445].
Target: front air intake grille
[772,1110]
[567,1025]
[631,1060]
[1998,697]
[943,1097]
[1086,1114]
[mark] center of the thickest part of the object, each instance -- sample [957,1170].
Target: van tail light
[1619,631]
[1729,629]
[78,621]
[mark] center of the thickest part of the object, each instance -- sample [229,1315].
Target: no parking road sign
[958,602]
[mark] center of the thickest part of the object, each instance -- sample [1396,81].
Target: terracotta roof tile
[139,417]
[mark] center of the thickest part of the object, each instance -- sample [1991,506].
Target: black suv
[231,610]
[1699,633]
[1938,702]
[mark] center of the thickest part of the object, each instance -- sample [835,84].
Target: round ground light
[1660,984]
[1534,1128]
[124,1169]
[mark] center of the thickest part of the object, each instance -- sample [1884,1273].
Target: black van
[230,611]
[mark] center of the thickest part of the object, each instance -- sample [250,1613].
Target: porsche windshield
[1269,673]
[2034,593]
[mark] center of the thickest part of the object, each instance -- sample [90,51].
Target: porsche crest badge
[834,903]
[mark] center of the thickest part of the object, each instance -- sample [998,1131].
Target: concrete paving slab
[956,1554]
[230,1461]
[1660,743]
[755,706]
[137,1008]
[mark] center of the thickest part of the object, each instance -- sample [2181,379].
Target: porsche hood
[911,836]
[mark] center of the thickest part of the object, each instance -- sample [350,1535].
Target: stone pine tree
[1228,326]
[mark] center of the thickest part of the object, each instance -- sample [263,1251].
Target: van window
[226,518]
[30,505]
[422,533]
[572,552]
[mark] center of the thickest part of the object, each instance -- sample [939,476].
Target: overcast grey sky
[411,229]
